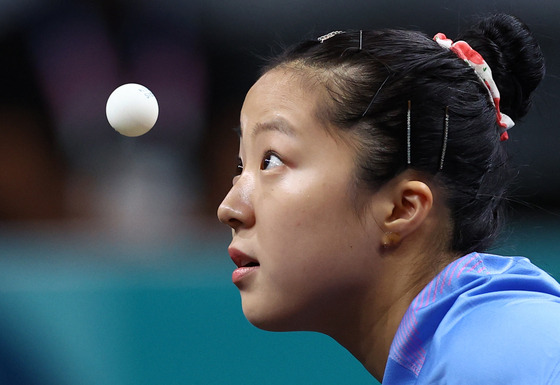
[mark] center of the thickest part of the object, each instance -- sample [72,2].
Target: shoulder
[503,335]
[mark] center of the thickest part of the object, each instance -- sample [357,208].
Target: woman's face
[305,255]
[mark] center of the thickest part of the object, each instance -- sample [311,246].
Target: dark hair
[371,75]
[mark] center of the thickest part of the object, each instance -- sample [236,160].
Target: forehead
[278,95]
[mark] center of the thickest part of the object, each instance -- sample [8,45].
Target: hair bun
[514,56]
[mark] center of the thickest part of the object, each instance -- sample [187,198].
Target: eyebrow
[279,125]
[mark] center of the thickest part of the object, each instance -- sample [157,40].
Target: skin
[318,238]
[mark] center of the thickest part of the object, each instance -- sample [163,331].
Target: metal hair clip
[329,35]
[408,135]
[445,135]
[361,39]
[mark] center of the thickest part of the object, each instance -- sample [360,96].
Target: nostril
[227,216]
[233,223]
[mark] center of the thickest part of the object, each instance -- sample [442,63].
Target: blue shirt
[484,319]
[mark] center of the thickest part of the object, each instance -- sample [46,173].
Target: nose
[236,209]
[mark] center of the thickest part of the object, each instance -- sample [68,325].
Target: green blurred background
[113,267]
[79,311]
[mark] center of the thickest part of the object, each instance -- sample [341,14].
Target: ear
[410,203]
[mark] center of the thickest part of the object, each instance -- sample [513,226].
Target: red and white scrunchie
[481,68]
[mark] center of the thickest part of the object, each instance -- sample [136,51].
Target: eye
[270,160]
[239,168]
[238,171]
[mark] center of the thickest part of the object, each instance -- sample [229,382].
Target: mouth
[250,264]
[245,265]
[241,259]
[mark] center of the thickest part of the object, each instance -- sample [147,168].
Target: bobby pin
[408,132]
[361,40]
[329,35]
[445,134]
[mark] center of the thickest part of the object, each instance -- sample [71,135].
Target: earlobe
[390,239]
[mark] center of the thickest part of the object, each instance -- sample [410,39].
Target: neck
[369,333]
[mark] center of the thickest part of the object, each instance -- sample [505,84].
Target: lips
[245,265]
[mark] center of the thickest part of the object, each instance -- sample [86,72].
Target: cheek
[298,205]
[308,223]
[314,253]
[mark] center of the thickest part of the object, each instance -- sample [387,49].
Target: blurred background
[113,267]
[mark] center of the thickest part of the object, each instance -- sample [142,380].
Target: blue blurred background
[113,268]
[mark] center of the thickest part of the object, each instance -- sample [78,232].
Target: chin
[276,320]
[268,322]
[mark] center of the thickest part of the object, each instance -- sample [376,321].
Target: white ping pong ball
[132,109]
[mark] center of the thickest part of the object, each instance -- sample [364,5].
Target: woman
[373,172]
